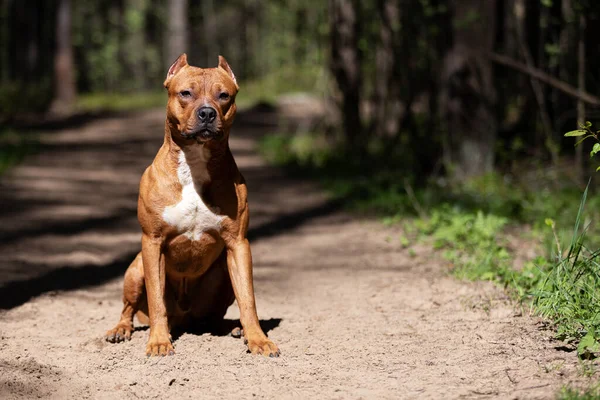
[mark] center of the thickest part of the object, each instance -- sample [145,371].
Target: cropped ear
[176,67]
[223,65]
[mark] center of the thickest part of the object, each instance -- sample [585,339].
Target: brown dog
[193,209]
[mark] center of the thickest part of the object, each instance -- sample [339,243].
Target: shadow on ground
[223,327]
[68,214]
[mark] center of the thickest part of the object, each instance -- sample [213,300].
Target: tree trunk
[523,14]
[210,25]
[468,95]
[385,115]
[177,28]
[250,40]
[64,70]
[581,86]
[566,38]
[135,43]
[345,65]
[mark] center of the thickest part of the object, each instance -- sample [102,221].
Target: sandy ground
[354,313]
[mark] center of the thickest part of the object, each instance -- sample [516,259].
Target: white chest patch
[191,216]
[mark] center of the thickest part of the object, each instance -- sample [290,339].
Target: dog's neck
[201,163]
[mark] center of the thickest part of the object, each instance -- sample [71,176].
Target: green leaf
[488,276]
[550,221]
[588,343]
[588,124]
[597,169]
[578,132]
[595,149]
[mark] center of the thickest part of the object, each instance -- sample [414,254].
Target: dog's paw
[119,333]
[237,332]
[159,345]
[263,346]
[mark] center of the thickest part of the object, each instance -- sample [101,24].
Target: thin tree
[346,64]
[468,94]
[64,70]
[177,30]
[135,42]
[581,86]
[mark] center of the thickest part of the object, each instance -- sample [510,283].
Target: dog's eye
[186,94]
[224,96]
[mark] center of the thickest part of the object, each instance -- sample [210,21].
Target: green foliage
[468,222]
[115,51]
[570,393]
[570,291]
[14,147]
[372,183]
[471,241]
[287,79]
[19,98]
[302,150]
[564,288]
[377,183]
[587,132]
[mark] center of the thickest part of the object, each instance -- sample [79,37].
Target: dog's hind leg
[134,300]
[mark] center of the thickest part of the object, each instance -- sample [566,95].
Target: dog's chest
[191,216]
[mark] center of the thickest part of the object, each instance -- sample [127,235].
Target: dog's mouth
[202,135]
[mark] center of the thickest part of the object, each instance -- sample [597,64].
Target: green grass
[468,224]
[569,393]
[470,241]
[569,291]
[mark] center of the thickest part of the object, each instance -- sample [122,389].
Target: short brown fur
[176,279]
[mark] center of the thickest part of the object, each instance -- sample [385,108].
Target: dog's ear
[223,65]
[175,68]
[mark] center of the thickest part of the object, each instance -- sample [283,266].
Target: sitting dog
[193,210]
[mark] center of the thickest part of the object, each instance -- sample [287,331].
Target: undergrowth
[14,147]
[468,224]
[570,393]
[469,241]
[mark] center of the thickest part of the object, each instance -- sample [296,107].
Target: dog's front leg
[239,263]
[159,342]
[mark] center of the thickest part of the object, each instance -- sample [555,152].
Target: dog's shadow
[223,327]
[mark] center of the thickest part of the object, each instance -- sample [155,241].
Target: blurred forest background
[455,88]
[453,111]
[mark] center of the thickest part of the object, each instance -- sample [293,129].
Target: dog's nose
[207,114]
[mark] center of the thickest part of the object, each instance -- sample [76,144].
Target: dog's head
[201,100]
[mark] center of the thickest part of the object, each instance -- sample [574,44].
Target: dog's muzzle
[202,134]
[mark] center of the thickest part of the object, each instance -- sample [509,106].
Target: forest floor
[354,313]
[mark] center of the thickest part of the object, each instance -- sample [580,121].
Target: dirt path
[355,315]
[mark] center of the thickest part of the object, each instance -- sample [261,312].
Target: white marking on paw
[191,216]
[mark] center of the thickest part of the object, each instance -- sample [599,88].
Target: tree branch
[546,78]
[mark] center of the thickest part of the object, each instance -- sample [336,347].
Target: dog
[193,210]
